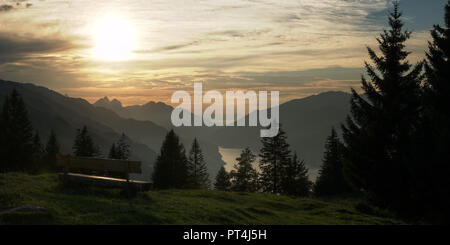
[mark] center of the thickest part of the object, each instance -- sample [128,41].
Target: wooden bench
[69,163]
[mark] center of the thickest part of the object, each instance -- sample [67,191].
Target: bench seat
[105,181]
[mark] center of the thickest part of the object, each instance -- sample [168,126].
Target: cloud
[14,47]
[295,46]
[6,8]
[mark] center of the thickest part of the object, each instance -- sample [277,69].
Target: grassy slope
[107,206]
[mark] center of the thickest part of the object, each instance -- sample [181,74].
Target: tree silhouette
[121,149]
[244,177]
[113,152]
[378,136]
[223,182]
[198,177]
[84,145]
[275,155]
[16,135]
[434,142]
[170,170]
[52,148]
[295,181]
[331,181]
[38,153]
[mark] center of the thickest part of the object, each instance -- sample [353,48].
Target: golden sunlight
[114,39]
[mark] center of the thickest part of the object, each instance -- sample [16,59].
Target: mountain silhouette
[307,121]
[157,112]
[49,110]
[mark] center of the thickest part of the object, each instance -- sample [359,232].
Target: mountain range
[49,110]
[307,122]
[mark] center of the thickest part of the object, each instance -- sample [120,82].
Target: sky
[144,50]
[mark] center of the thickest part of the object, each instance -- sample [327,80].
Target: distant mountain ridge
[49,110]
[156,112]
[307,121]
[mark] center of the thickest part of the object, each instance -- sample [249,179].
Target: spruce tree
[434,142]
[331,180]
[378,135]
[437,66]
[38,153]
[275,155]
[223,182]
[113,152]
[244,177]
[170,169]
[295,181]
[123,148]
[16,135]
[52,148]
[198,177]
[84,145]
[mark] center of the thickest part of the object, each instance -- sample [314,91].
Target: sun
[114,39]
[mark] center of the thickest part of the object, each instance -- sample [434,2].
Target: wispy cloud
[299,47]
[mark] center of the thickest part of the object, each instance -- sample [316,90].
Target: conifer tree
[275,155]
[123,148]
[198,177]
[84,145]
[223,182]
[379,133]
[52,148]
[437,66]
[331,180]
[113,152]
[434,142]
[38,153]
[16,143]
[244,177]
[295,181]
[170,169]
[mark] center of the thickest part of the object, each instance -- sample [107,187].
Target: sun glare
[114,39]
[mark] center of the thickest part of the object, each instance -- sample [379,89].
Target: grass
[92,205]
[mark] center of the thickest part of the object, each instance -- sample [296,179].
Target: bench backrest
[92,163]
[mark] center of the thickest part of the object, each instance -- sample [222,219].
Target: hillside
[21,195]
[49,110]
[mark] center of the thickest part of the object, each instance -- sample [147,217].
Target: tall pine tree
[378,136]
[275,155]
[435,139]
[198,177]
[295,181]
[52,148]
[84,145]
[223,180]
[331,180]
[123,148]
[245,177]
[38,153]
[16,135]
[170,169]
[113,152]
